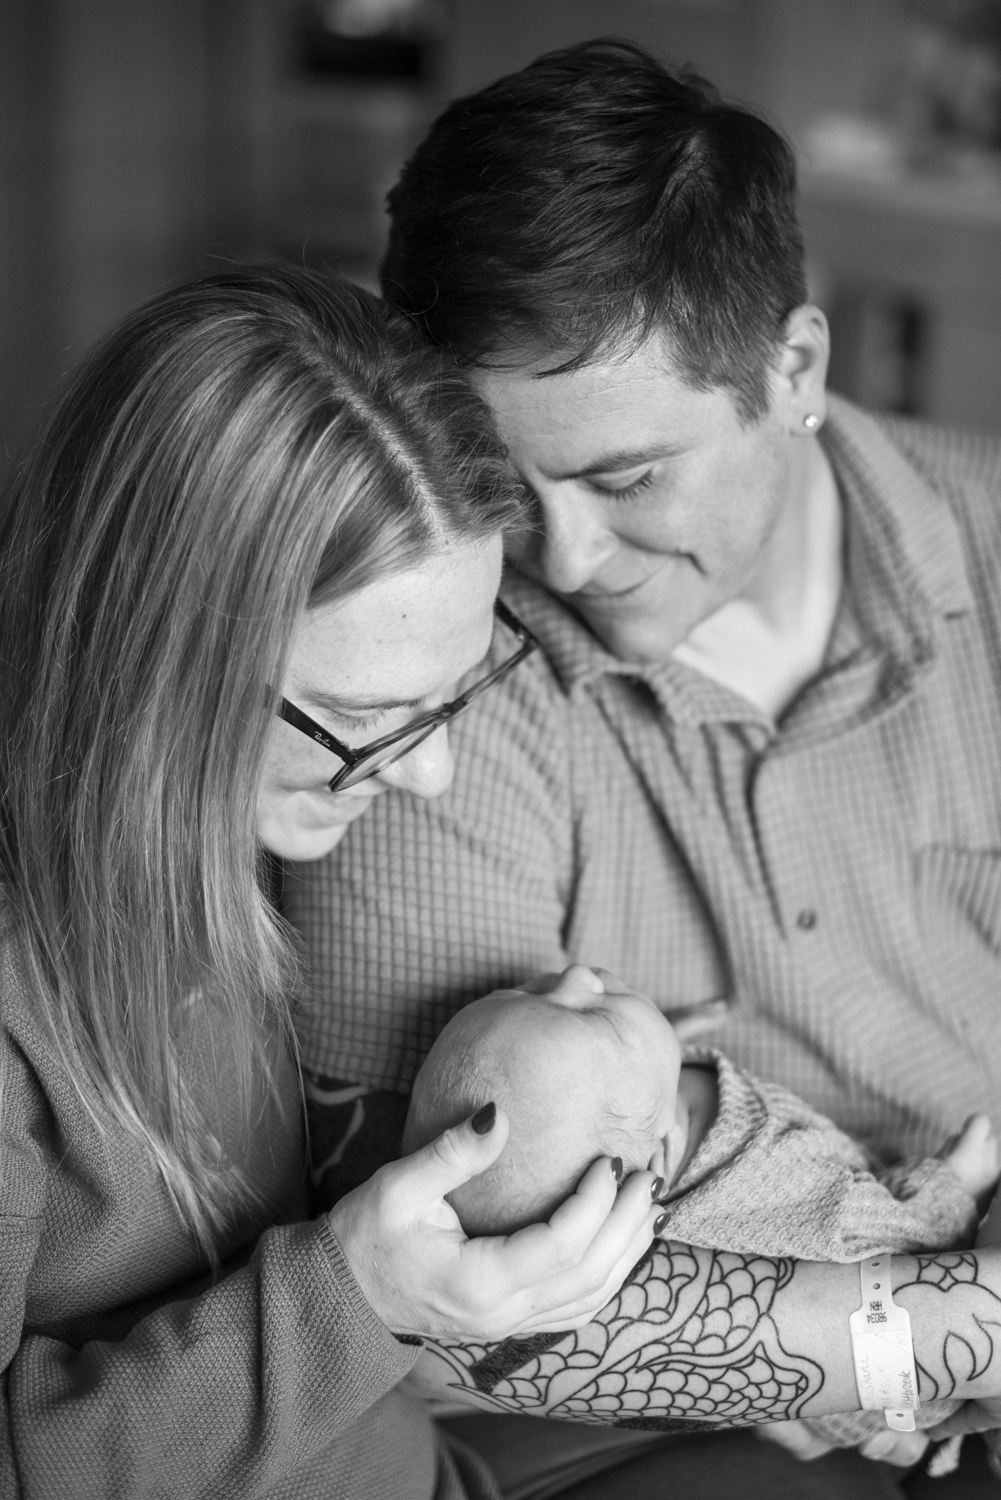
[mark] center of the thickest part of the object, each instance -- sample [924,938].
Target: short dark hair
[596,195]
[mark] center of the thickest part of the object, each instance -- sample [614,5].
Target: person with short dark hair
[593,198]
[754,770]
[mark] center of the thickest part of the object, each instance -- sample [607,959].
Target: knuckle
[446,1148]
[564,1254]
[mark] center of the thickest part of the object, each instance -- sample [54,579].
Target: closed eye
[628,491]
[356,726]
[608,1016]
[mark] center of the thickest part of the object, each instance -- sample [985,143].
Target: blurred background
[144,140]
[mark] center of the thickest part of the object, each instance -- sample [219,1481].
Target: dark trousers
[534,1459]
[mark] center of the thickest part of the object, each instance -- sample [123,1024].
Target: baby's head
[580,1074]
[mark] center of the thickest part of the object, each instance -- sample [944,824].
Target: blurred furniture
[929,253]
[357,86]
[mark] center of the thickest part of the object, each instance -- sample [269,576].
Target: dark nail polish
[483,1120]
[617,1168]
[658,1224]
[656,1187]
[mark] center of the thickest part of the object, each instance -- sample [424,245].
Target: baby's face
[587,1061]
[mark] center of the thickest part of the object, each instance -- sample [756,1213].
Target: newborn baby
[585,1068]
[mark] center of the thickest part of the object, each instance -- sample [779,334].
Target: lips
[599,594]
[602,595]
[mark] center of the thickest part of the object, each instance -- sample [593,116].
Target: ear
[668,1152]
[658,1163]
[800,377]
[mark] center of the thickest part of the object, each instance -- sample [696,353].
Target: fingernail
[658,1223]
[483,1120]
[616,1165]
[656,1187]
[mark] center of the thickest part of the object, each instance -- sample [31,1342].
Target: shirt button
[806,920]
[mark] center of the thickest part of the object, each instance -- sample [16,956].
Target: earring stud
[811,421]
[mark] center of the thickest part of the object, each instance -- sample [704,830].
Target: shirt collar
[904,528]
[907,527]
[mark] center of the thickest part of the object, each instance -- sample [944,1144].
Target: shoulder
[963,469]
[946,457]
[942,489]
[28,1148]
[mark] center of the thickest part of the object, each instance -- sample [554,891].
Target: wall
[490,39]
[123,165]
[143,139]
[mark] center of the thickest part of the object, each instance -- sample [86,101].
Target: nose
[576,542]
[577,988]
[428,769]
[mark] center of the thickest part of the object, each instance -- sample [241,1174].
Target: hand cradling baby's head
[581,1073]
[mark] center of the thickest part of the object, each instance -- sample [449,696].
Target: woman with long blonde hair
[258,509]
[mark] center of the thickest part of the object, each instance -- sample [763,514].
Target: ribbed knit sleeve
[235,1392]
[222,1395]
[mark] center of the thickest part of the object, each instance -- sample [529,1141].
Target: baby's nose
[577,986]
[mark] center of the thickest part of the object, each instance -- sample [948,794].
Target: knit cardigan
[127,1372]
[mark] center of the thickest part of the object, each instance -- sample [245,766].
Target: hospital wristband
[882,1347]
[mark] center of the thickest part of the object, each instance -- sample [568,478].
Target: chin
[302,844]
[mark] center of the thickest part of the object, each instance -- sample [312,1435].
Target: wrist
[954,1300]
[342,1221]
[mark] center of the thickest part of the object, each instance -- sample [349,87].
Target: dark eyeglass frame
[423,727]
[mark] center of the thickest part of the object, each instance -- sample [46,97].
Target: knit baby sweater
[774,1177]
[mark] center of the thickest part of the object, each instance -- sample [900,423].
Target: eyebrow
[608,1016]
[621,458]
[334,705]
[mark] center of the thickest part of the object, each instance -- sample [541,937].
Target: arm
[701,1336]
[774,1177]
[121,1375]
[229,1391]
[221,1394]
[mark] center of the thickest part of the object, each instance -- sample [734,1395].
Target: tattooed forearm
[689,1339]
[947,1292]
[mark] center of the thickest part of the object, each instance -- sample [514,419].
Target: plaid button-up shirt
[834,877]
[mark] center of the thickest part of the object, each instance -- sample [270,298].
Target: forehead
[617,409]
[407,630]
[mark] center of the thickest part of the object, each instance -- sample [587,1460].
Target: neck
[698,1102]
[770,639]
[781,588]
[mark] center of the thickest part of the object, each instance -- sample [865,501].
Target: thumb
[459,1153]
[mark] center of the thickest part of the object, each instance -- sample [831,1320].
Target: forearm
[715,1337]
[220,1394]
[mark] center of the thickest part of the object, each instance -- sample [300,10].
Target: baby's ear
[670,1151]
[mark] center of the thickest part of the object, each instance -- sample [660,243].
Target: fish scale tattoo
[687,1339]
[690,1340]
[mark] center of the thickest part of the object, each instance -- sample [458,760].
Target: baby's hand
[900,1448]
[975,1157]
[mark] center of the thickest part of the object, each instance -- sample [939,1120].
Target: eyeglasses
[369,760]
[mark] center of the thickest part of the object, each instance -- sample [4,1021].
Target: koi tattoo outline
[688,1340]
